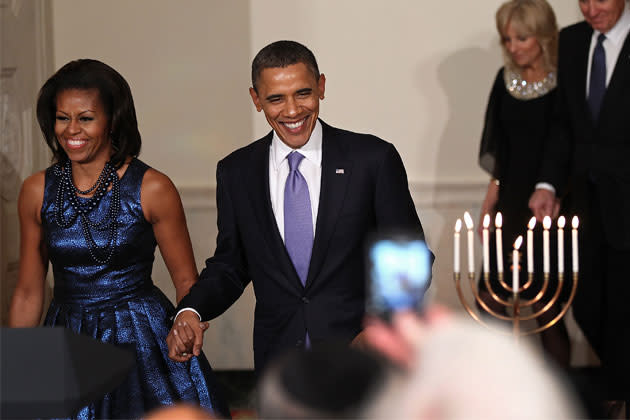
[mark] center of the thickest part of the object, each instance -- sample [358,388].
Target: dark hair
[283,54]
[115,95]
[329,381]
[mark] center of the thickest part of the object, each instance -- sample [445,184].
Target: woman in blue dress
[97,214]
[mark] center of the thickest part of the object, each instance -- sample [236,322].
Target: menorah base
[516,304]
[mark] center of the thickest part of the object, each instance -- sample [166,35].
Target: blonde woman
[516,128]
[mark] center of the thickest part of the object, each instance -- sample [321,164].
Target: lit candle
[471,238]
[561,223]
[515,266]
[486,244]
[574,242]
[530,245]
[546,226]
[498,223]
[458,228]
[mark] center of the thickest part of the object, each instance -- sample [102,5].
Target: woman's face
[82,126]
[524,49]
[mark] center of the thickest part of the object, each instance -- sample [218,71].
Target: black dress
[511,151]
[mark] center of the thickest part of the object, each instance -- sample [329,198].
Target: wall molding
[425,194]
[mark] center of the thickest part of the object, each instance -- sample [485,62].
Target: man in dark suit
[294,209]
[588,153]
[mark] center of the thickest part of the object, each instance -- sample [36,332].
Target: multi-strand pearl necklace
[66,188]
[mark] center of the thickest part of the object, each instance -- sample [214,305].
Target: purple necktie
[597,84]
[298,221]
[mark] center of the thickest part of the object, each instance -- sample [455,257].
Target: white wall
[417,73]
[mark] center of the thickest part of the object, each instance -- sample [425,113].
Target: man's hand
[186,337]
[544,203]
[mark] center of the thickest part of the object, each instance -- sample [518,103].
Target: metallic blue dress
[117,303]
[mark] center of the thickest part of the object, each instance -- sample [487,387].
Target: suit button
[299,343]
[305,299]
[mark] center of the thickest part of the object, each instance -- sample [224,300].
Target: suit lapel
[580,69]
[336,173]
[620,78]
[260,200]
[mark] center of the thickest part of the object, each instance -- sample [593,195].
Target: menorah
[515,303]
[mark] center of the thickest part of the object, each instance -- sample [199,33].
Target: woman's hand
[186,337]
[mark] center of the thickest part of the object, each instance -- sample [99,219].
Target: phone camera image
[399,270]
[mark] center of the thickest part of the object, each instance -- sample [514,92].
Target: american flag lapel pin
[339,171]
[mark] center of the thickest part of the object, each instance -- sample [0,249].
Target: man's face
[289,97]
[602,15]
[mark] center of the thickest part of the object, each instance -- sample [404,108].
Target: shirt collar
[312,150]
[618,33]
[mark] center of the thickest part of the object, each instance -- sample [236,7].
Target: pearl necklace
[66,188]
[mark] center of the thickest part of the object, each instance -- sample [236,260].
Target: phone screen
[398,269]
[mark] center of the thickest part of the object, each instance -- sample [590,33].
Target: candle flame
[575,222]
[518,242]
[498,220]
[468,221]
[547,222]
[532,223]
[486,221]
[561,222]
[458,225]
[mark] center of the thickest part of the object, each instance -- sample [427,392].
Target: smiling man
[294,208]
[588,153]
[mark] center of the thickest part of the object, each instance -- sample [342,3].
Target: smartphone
[398,268]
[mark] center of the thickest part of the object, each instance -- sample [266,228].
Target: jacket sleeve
[224,277]
[489,159]
[394,207]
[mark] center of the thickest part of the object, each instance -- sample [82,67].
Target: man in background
[589,148]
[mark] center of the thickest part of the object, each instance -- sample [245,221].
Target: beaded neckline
[522,89]
[82,208]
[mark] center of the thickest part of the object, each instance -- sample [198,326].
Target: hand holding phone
[398,271]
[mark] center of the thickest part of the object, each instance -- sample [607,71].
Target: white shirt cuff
[546,186]
[187,309]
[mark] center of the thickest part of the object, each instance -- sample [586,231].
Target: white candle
[498,223]
[546,226]
[486,243]
[471,239]
[515,265]
[458,228]
[561,223]
[574,242]
[530,245]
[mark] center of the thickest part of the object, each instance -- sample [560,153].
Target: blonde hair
[530,18]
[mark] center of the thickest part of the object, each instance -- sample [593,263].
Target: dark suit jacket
[370,192]
[594,153]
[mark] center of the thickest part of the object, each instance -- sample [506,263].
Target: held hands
[186,337]
[544,203]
